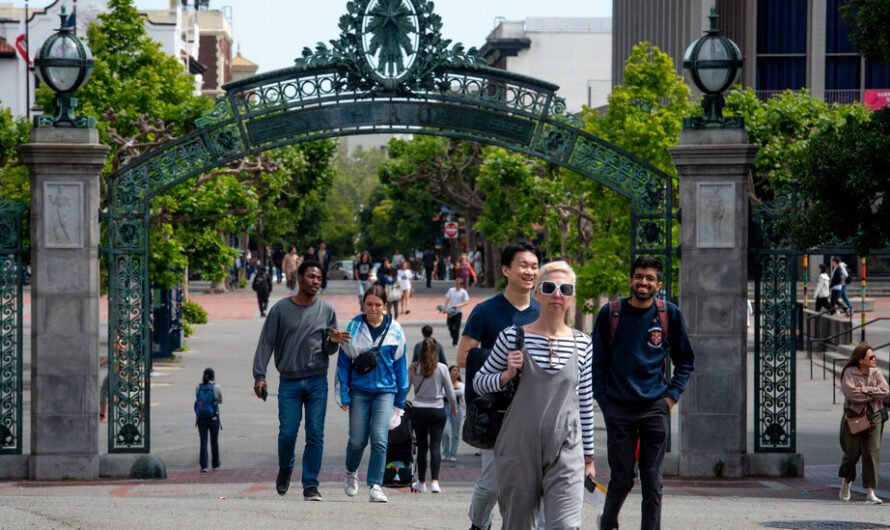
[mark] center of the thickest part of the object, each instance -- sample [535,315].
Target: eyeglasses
[648,277]
[553,354]
[872,358]
[549,288]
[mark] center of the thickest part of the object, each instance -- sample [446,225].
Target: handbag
[393,292]
[367,360]
[858,424]
[486,413]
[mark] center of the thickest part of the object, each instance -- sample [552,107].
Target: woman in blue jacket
[370,388]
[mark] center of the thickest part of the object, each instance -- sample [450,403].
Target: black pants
[453,323]
[429,276]
[835,301]
[428,425]
[822,303]
[648,423]
[209,426]
[262,300]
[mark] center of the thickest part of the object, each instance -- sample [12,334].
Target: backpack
[486,413]
[206,406]
[845,273]
[615,314]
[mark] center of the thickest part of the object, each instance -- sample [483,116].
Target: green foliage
[782,128]
[355,178]
[15,182]
[193,313]
[513,203]
[870,31]
[844,178]
[187,329]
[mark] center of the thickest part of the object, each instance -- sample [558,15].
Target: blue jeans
[451,438]
[293,395]
[209,428]
[844,296]
[369,416]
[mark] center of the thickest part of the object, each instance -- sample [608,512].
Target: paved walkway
[242,494]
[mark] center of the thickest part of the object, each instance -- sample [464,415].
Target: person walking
[822,291]
[455,300]
[451,436]
[464,269]
[373,380]
[431,383]
[427,332]
[864,389]
[406,275]
[639,333]
[208,398]
[515,306]
[836,285]
[324,257]
[429,265]
[301,331]
[545,447]
[845,279]
[387,277]
[277,261]
[361,272]
[262,285]
[289,265]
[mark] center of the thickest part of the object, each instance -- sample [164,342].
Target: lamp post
[64,64]
[713,62]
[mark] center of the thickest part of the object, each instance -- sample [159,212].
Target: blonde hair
[550,268]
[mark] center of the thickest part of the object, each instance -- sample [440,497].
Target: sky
[272,33]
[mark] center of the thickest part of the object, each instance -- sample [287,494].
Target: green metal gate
[12,269]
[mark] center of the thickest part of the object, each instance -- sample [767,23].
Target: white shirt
[405,277]
[455,297]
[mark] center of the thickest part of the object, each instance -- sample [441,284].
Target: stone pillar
[713,167]
[65,166]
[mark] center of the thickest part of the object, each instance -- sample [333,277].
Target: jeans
[453,322]
[293,395]
[428,425]
[209,426]
[369,416]
[485,492]
[451,438]
[844,296]
[624,425]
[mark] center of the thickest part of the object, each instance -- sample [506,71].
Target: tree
[14,178]
[870,32]
[844,178]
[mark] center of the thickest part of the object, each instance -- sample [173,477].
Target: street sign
[451,230]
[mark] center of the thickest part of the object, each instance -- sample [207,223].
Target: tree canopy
[870,31]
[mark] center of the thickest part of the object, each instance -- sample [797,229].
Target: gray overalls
[538,452]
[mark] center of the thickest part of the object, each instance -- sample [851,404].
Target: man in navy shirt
[515,306]
[633,393]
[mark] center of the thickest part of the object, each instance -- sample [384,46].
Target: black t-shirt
[364,271]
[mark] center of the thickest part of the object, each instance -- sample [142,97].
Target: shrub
[193,313]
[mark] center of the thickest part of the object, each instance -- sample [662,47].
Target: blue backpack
[206,406]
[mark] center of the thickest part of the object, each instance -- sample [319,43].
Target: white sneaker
[434,487]
[376,494]
[418,487]
[350,485]
[871,499]
[844,494]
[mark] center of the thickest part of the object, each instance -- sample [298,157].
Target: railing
[825,340]
[807,337]
[831,96]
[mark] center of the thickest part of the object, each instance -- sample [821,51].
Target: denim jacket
[391,373]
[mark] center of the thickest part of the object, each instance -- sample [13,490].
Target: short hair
[460,280]
[555,266]
[822,267]
[301,270]
[426,331]
[510,252]
[647,262]
[375,290]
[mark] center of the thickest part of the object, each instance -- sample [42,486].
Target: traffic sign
[451,230]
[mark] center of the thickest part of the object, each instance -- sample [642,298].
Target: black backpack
[486,413]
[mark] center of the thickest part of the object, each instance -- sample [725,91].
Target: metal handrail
[876,348]
[824,340]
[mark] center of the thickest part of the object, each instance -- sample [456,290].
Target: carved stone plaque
[715,216]
[63,223]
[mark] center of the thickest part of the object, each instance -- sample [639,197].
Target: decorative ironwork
[441,89]
[11,279]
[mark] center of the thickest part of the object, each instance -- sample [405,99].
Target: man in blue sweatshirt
[629,383]
[301,332]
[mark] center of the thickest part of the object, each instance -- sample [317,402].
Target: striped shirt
[539,348]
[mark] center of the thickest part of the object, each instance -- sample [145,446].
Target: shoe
[434,488]
[311,494]
[282,483]
[871,499]
[203,470]
[375,494]
[452,459]
[350,485]
[418,487]
[844,494]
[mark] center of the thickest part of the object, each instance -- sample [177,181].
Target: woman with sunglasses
[545,446]
[864,389]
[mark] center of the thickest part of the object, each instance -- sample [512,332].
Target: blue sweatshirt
[391,373]
[632,371]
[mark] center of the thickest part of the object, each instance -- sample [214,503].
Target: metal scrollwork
[11,279]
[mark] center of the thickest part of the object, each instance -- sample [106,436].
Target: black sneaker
[311,494]
[282,483]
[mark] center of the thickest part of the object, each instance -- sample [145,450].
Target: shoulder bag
[858,424]
[367,360]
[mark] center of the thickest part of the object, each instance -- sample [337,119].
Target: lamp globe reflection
[64,64]
[713,62]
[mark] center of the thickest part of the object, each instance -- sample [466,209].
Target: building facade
[574,53]
[786,44]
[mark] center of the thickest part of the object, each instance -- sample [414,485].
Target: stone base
[775,465]
[148,467]
[64,467]
[712,465]
[14,467]
[116,465]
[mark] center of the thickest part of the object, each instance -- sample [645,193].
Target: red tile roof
[6,49]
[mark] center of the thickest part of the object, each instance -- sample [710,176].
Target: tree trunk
[491,265]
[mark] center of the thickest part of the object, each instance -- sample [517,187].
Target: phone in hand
[264,394]
[589,484]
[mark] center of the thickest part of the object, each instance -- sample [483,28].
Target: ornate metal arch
[390,71]
[12,263]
